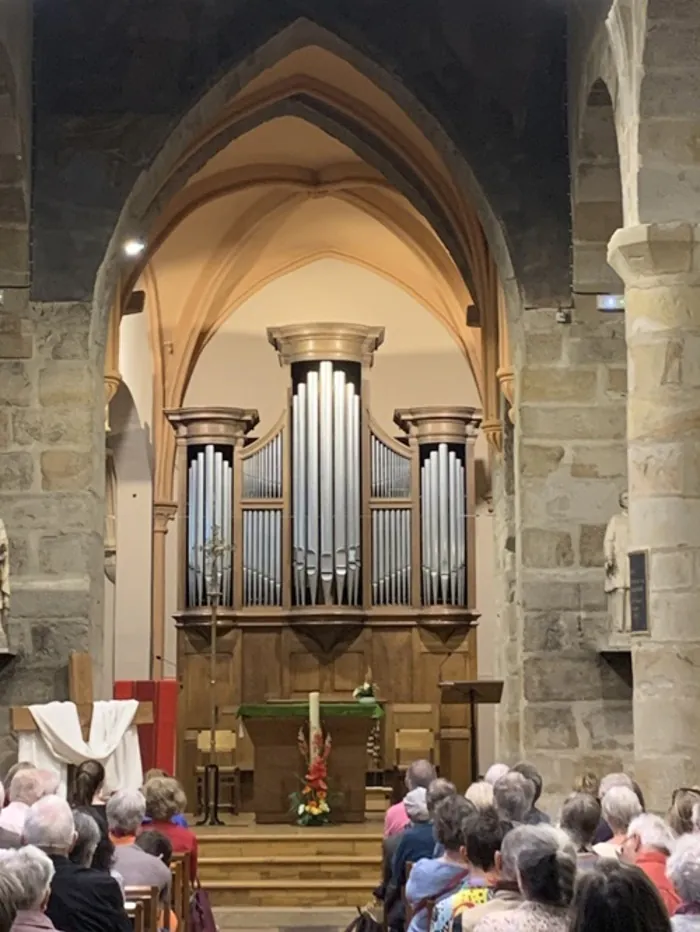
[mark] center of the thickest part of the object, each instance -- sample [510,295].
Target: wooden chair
[225,747]
[149,898]
[415,733]
[135,912]
[180,889]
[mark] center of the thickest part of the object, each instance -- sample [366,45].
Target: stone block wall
[51,470]
[570,465]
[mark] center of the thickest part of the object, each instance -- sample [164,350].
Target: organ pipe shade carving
[327,515]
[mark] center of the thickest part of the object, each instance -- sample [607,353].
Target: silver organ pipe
[443,547]
[262,527]
[391,526]
[326,516]
[209,511]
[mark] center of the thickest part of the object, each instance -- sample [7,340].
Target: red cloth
[653,863]
[182,840]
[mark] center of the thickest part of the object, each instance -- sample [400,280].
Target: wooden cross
[80,691]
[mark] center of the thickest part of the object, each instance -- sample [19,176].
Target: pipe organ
[327,519]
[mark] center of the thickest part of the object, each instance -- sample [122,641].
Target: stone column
[660,265]
[163,514]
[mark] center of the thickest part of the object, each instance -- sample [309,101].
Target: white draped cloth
[58,741]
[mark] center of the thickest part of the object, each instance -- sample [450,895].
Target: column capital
[163,514]
[656,250]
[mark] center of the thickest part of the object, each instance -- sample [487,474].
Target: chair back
[224,741]
[149,897]
[416,733]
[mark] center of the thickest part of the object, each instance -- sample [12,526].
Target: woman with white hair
[546,870]
[683,870]
[648,844]
[26,788]
[33,871]
[619,806]
[480,794]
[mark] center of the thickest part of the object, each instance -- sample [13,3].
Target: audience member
[483,836]
[480,794]
[513,796]
[87,838]
[15,768]
[680,815]
[535,816]
[435,878]
[619,807]
[495,772]
[33,872]
[178,818]
[165,798]
[125,812]
[696,817]
[613,896]
[438,790]
[419,773]
[417,841]
[10,893]
[82,899]
[506,893]
[580,816]
[50,782]
[25,789]
[683,870]
[589,783]
[7,839]
[648,844]
[88,791]
[103,857]
[604,832]
[546,868]
[156,844]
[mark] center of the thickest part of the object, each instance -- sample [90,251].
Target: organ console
[329,521]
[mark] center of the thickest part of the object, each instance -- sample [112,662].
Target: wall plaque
[639,590]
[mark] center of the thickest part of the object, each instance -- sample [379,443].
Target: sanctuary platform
[244,865]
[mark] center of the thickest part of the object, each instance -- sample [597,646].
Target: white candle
[314,722]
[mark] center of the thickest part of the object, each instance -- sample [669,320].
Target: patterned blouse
[528,917]
[465,898]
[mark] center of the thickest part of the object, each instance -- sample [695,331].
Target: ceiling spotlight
[134,247]
[610,302]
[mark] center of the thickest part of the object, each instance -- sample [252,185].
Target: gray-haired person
[683,870]
[126,810]
[513,796]
[33,871]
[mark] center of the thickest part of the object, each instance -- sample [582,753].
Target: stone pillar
[575,705]
[660,265]
[163,514]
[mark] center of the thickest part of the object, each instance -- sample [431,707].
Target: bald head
[49,825]
[420,773]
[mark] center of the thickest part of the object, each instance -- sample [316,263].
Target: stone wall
[570,464]
[51,475]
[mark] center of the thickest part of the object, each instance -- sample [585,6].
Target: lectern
[472,693]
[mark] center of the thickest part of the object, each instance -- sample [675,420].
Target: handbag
[201,913]
[365,921]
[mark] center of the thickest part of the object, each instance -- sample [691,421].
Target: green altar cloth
[301,709]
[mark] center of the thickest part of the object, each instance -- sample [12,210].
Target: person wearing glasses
[648,844]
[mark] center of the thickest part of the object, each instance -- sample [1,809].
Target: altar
[274,728]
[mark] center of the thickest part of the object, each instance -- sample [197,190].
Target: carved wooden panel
[262,665]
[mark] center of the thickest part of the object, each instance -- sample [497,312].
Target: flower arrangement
[310,804]
[366,690]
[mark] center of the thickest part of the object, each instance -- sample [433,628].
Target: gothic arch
[449,201]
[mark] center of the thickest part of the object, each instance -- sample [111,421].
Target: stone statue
[4,584]
[617,570]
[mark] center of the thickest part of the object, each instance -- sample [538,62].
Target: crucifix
[80,691]
[214,550]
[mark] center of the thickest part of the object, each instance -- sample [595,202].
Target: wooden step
[288,868]
[305,843]
[264,919]
[321,893]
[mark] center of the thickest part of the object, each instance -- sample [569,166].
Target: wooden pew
[180,889]
[149,897]
[135,912]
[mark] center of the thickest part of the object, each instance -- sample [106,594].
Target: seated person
[82,899]
[92,847]
[580,817]
[10,894]
[178,818]
[125,812]
[165,798]
[7,839]
[26,788]
[535,816]
[420,773]
[157,845]
[88,791]
[33,872]
[434,878]
[483,833]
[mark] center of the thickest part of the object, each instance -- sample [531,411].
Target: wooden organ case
[349,549]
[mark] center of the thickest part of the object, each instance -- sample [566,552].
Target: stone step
[309,843]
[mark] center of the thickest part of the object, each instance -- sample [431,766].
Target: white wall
[130,418]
